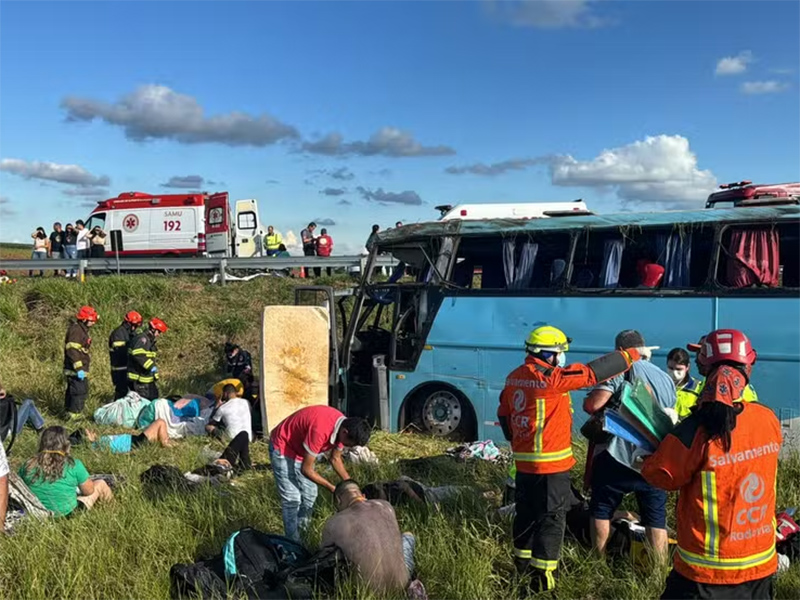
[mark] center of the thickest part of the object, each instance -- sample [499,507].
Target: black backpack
[259,565]
[8,421]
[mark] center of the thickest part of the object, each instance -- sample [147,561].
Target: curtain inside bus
[753,258]
[519,274]
[612,262]
[675,255]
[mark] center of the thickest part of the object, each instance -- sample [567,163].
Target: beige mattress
[294,368]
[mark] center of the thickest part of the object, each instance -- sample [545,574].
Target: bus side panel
[772,326]
[498,327]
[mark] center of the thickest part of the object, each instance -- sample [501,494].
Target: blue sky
[393,107]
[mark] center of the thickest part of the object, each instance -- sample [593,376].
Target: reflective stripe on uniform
[118,344]
[77,364]
[522,553]
[710,516]
[544,564]
[138,351]
[74,346]
[537,437]
[69,373]
[543,456]
[726,564]
[119,368]
[141,378]
[148,363]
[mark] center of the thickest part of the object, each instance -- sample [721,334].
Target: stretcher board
[295,347]
[616,425]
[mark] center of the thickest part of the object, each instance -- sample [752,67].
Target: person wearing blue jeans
[294,446]
[27,413]
[70,248]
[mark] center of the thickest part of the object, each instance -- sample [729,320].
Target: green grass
[125,550]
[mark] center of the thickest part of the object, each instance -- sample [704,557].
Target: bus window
[552,254]
[641,258]
[479,264]
[759,256]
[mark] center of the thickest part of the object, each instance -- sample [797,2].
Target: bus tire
[443,411]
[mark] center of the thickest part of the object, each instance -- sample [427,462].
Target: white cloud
[158,112]
[48,171]
[290,241]
[764,87]
[734,65]
[185,182]
[547,14]
[659,169]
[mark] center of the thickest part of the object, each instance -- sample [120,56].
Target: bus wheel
[446,413]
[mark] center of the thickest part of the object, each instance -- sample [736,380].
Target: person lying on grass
[123,443]
[53,475]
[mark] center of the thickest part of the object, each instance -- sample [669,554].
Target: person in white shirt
[82,240]
[3,487]
[231,418]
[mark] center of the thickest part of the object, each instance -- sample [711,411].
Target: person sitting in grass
[123,443]
[231,419]
[53,475]
[368,535]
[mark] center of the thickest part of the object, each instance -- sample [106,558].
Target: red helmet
[158,325]
[134,318]
[725,345]
[86,313]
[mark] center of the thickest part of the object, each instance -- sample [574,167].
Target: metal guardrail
[221,265]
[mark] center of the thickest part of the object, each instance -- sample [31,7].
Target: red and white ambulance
[193,224]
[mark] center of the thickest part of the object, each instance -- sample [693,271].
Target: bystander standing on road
[57,245]
[324,249]
[70,246]
[309,242]
[41,248]
[82,240]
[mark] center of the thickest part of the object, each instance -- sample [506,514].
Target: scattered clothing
[123,412]
[480,450]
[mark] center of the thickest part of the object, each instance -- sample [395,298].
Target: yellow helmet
[547,338]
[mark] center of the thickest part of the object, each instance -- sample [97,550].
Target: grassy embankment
[125,550]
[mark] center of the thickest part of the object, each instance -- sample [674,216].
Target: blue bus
[429,350]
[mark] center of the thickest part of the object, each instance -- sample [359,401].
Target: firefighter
[749,393]
[118,351]
[142,368]
[239,363]
[536,417]
[77,361]
[724,460]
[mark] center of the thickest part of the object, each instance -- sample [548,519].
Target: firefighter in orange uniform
[536,416]
[724,460]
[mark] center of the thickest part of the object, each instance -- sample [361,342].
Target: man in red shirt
[294,446]
[324,248]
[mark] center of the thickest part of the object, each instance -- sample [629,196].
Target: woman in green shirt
[53,476]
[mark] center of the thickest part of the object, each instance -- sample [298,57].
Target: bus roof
[616,220]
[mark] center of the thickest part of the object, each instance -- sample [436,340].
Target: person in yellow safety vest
[689,392]
[272,241]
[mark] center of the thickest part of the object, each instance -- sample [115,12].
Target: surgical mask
[561,360]
[677,375]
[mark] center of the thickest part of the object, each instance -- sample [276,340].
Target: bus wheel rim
[442,412]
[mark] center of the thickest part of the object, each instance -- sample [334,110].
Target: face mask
[677,375]
[562,359]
